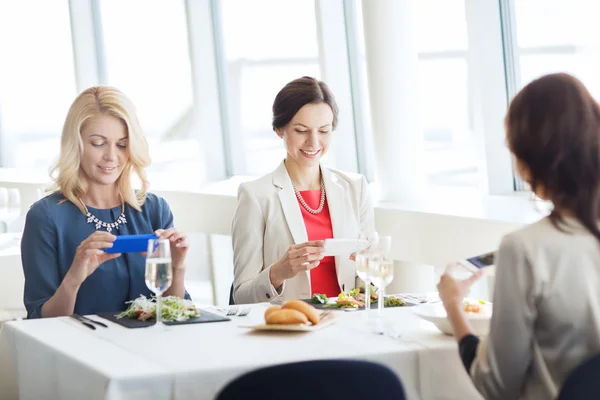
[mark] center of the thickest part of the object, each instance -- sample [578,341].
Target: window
[267,43]
[443,92]
[147,57]
[558,36]
[37,81]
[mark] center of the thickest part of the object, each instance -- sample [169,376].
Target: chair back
[231,300]
[317,380]
[584,382]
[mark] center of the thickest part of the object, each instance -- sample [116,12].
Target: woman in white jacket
[283,218]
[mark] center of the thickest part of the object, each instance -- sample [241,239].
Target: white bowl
[435,313]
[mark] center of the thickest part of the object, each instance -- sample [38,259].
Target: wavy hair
[553,128]
[68,176]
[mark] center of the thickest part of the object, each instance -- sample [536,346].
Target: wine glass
[159,272]
[361,259]
[381,272]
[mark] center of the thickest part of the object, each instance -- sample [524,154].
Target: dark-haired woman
[546,318]
[282,219]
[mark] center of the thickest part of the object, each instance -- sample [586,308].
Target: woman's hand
[89,255]
[298,258]
[453,291]
[179,245]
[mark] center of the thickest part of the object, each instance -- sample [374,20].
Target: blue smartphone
[131,244]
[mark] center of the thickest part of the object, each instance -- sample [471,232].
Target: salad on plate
[173,309]
[355,299]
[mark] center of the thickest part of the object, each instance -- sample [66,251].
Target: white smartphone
[476,263]
[342,247]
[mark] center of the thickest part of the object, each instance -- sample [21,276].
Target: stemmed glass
[159,272]
[365,244]
[361,259]
[381,272]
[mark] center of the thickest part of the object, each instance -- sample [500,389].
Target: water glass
[159,272]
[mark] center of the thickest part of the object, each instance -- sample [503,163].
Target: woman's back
[546,310]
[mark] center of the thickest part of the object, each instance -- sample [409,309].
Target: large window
[443,92]
[267,43]
[147,57]
[558,36]
[37,81]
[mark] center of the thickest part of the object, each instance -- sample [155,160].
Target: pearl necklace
[92,219]
[306,206]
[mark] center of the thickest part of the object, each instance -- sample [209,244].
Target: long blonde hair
[69,178]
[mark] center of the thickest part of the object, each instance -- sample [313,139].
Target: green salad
[319,298]
[173,309]
[392,301]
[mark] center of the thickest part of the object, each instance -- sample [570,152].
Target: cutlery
[83,322]
[86,319]
[244,312]
[232,311]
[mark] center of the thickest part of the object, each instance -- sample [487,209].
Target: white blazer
[268,220]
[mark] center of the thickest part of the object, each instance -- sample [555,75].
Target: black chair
[584,382]
[231,301]
[317,380]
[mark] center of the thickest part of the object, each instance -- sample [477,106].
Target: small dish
[436,314]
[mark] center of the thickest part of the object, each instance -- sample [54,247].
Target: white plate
[435,313]
[327,318]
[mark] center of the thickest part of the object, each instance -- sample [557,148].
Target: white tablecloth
[60,358]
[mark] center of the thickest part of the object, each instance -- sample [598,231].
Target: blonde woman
[66,269]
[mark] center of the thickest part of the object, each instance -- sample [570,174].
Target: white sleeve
[252,283]
[367,216]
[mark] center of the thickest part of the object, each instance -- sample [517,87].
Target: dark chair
[584,382]
[231,301]
[317,380]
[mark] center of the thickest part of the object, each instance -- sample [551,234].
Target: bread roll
[286,317]
[311,313]
[271,309]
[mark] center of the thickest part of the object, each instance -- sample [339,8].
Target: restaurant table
[60,358]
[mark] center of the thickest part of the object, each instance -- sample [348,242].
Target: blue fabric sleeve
[39,258]
[467,349]
[166,215]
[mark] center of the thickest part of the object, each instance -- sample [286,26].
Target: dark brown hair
[553,128]
[297,94]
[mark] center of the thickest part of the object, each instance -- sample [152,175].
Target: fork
[245,311]
[232,311]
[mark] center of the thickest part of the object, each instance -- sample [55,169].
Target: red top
[323,278]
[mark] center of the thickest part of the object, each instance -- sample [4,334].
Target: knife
[78,318]
[86,319]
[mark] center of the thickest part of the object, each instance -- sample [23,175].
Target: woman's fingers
[98,245]
[473,278]
[99,236]
[306,250]
[108,256]
[180,239]
[165,233]
[93,252]
[183,243]
[312,265]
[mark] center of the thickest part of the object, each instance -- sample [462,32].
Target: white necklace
[306,206]
[92,219]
